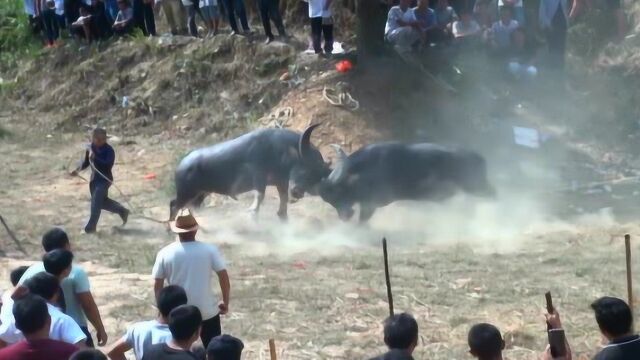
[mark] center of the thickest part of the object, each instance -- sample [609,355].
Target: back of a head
[88,354]
[99,132]
[57,261]
[16,274]
[170,298]
[613,316]
[55,238]
[184,321]
[30,313]
[225,347]
[401,331]
[485,341]
[43,284]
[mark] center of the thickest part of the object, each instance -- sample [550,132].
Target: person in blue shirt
[100,156]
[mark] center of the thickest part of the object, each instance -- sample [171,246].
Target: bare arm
[225,288]
[90,308]
[157,287]
[117,349]
[81,344]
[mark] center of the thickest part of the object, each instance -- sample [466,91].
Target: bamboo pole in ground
[386,275]
[627,245]
[272,349]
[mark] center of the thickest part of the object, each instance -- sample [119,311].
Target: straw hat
[184,222]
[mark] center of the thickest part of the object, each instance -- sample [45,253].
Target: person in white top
[466,27]
[63,327]
[140,336]
[500,33]
[190,263]
[402,28]
[321,25]
[517,7]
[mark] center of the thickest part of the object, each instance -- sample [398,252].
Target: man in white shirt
[63,327]
[189,263]
[402,28]
[140,336]
[500,32]
[321,25]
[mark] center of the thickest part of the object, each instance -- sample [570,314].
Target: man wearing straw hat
[190,264]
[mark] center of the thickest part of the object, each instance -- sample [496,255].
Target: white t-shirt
[190,265]
[460,30]
[204,3]
[395,14]
[502,33]
[63,328]
[144,334]
[517,3]
[316,9]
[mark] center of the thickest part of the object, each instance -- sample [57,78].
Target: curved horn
[340,170]
[304,146]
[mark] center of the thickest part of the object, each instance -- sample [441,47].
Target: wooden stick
[272,349]
[627,244]
[386,276]
[12,236]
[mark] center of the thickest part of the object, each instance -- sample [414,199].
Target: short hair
[400,331]
[30,313]
[485,341]
[54,238]
[16,274]
[43,284]
[508,8]
[170,298]
[225,347]
[88,354]
[184,321]
[99,132]
[57,261]
[613,315]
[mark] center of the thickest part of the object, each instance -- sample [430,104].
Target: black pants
[317,31]
[51,25]
[210,329]
[89,341]
[100,201]
[270,10]
[232,8]
[557,39]
[143,17]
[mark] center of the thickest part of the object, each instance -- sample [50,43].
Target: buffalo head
[336,189]
[309,170]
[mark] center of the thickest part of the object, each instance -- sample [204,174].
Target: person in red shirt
[32,318]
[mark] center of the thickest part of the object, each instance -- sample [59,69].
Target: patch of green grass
[17,41]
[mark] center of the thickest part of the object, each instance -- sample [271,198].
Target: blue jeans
[51,25]
[112,9]
[233,8]
[100,201]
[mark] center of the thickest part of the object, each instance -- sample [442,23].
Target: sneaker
[268,41]
[124,216]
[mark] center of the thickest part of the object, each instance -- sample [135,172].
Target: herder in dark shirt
[615,320]
[102,156]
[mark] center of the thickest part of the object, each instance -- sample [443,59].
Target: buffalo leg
[366,212]
[260,185]
[283,192]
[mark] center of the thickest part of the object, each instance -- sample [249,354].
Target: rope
[278,118]
[340,96]
[13,236]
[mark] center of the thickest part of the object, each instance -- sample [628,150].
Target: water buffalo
[379,174]
[278,157]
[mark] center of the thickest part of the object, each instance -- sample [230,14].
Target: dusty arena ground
[316,285]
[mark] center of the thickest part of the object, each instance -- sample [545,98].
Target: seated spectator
[402,29]
[82,26]
[62,328]
[517,9]
[615,320]
[124,21]
[14,276]
[499,36]
[400,336]
[225,347]
[185,322]
[521,62]
[466,30]
[78,300]
[100,22]
[140,336]
[32,319]
[485,13]
[485,342]
[425,16]
[88,354]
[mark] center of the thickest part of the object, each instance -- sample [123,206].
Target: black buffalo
[379,174]
[278,157]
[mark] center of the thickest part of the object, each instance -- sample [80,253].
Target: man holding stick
[616,324]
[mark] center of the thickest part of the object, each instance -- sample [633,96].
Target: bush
[16,38]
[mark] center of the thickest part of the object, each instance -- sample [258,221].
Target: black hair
[485,341]
[184,321]
[55,238]
[170,298]
[506,7]
[57,261]
[16,274]
[613,316]
[225,347]
[99,132]
[43,284]
[88,354]
[30,313]
[400,331]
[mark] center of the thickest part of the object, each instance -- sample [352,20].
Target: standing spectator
[101,156]
[31,314]
[124,21]
[185,323]
[553,17]
[270,10]
[51,23]
[191,8]
[79,302]
[33,10]
[111,6]
[615,320]
[402,30]
[88,354]
[321,25]
[225,347]
[140,336]
[236,8]
[500,33]
[517,9]
[176,17]
[400,336]
[211,15]
[101,25]
[485,342]
[189,263]
[143,16]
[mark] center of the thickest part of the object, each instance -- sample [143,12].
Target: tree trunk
[372,17]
